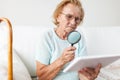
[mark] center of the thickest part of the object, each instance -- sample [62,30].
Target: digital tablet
[90,61]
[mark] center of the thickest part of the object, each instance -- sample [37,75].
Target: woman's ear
[58,19]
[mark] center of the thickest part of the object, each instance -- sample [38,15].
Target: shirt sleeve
[43,49]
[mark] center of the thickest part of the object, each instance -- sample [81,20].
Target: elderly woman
[55,53]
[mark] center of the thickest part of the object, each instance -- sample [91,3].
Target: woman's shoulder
[47,32]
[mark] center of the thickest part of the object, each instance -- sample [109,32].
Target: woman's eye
[69,16]
[77,19]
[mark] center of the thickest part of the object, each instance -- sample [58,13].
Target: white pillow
[20,71]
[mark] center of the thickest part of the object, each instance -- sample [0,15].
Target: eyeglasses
[70,17]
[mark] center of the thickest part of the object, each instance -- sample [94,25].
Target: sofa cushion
[20,71]
[3,36]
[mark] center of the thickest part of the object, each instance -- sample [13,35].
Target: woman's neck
[60,33]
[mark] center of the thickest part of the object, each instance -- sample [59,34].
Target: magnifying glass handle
[72,44]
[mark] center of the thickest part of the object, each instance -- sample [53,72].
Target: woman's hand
[68,54]
[89,73]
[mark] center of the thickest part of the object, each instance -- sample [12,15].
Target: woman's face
[69,18]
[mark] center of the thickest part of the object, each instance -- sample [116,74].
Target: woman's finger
[90,70]
[71,48]
[86,74]
[98,67]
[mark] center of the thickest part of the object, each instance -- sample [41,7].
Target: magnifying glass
[73,37]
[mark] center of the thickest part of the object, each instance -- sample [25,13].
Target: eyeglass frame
[70,17]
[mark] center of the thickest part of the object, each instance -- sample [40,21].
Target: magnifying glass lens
[73,37]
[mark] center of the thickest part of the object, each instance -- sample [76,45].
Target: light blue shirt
[50,48]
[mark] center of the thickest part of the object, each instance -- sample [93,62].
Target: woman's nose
[73,22]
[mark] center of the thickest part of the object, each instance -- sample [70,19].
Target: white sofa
[99,41]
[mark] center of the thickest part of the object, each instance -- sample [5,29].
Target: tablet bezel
[90,61]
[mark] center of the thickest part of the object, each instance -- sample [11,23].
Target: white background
[39,12]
